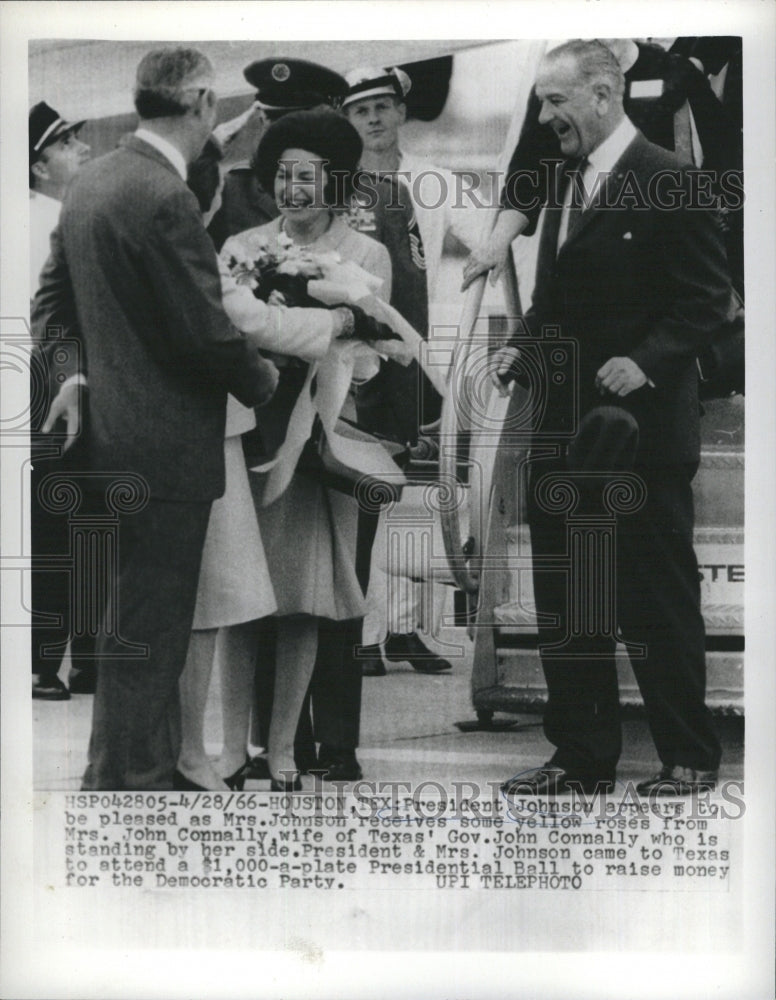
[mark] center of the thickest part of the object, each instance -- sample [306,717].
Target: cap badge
[280,72]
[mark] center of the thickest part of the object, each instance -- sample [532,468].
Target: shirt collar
[166,148]
[45,199]
[604,157]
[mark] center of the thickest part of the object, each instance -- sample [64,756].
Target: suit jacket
[639,281]
[134,275]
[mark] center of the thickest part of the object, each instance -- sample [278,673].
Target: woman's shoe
[236,782]
[285,786]
[202,778]
[181,783]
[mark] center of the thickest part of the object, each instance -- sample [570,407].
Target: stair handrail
[456,414]
[459,557]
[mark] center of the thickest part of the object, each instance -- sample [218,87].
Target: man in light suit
[133,274]
[56,156]
[633,271]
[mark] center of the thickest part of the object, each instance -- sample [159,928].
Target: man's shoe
[371,660]
[408,647]
[305,756]
[49,689]
[338,765]
[550,779]
[82,680]
[256,768]
[678,781]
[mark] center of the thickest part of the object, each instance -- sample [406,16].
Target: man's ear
[603,94]
[40,170]
[401,107]
[205,103]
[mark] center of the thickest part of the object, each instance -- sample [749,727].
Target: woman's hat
[321,131]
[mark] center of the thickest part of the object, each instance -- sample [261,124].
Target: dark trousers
[335,689]
[657,595]
[136,716]
[54,620]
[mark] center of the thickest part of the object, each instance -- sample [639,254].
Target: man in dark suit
[133,274]
[662,90]
[637,280]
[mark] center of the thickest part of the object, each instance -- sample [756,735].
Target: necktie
[578,194]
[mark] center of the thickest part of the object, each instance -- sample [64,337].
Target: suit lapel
[548,241]
[607,192]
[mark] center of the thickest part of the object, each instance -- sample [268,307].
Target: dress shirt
[44,215]
[599,164]
[166,148]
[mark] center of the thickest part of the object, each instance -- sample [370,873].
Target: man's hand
[619,376]
[492,255]
[504,362]
[66,405]
[486,257]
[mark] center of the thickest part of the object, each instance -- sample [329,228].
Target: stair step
[720,552]
[519,619]
[520,681]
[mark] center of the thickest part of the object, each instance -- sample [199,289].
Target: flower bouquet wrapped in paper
[287,274]
[377,323]
[282,272]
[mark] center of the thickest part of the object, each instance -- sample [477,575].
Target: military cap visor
[375,82]
[46,127]
[294,84]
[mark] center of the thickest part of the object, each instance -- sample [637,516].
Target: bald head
[580,86]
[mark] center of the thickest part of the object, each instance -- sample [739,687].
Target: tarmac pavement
[408,733]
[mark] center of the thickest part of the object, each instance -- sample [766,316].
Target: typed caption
[332,840]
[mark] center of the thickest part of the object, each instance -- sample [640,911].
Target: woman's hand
[368,329]
[344,323]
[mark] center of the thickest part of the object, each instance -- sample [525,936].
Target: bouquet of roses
[287,274]
[281,272]
[283,269]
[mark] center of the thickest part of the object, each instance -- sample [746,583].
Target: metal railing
[463,555]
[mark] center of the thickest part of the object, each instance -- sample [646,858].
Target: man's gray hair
[163,78]
[594,61]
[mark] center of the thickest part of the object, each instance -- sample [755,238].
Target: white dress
[234,581]
[309,532]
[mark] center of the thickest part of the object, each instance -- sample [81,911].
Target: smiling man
[638,289]
[572,98]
